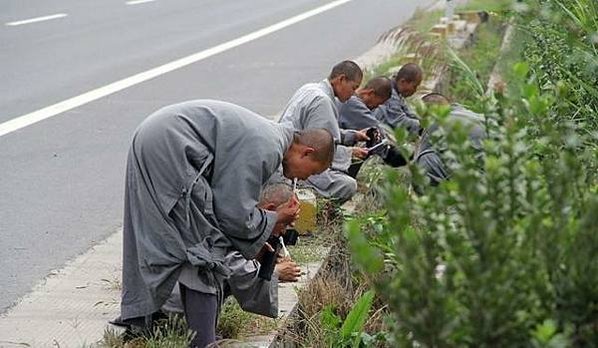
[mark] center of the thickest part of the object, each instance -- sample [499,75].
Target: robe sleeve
[348,137]
[342,158]
[253,294]
[236,193]
[356,115]
[396,113]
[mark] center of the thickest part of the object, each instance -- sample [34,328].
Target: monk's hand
[288,212]
[361,135]
[360,152]
[377,135]
[281,259]
[288,271]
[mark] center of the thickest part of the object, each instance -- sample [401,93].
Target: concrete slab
[72,306]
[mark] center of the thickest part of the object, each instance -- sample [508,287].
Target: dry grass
[170,333]
[324,291]
[306,329]
[336,287]
[235,323]
[114,283]
[413,47]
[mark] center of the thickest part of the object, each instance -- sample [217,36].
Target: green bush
[562,52]
[506,256]
[486,259]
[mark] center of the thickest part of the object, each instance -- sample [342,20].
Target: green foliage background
[506,256]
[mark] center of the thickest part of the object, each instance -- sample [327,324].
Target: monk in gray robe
[395,112]
[194,175]
[356,113]
[254,294]
[428,153]
[314,106]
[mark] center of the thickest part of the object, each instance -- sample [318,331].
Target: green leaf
[468,74]
[329,320]
[357,316]
[530,91]
[545,331]
[364,254]
[521,69]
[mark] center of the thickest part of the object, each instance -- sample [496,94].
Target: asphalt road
[61,179]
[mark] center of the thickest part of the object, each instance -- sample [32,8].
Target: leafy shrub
[507,256]
[562,52]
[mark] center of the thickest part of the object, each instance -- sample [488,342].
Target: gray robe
[354,114]
[396,113]
[253,294]
[428,154]
[314,106]
[194,175]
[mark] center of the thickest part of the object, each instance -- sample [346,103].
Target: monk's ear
[338,79]
[270,206]
[308,151]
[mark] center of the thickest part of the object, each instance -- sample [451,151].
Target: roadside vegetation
[507,256]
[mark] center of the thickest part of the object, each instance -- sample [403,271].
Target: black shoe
[118,321]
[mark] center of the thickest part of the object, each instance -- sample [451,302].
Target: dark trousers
[201,311]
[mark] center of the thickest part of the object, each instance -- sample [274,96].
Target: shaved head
[408,79]
[348,68]
[409,72]
[275,195]
[311,152]
[381,86]
[318,139]
[435,99]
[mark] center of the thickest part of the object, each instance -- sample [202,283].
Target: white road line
[53,110]
[36,19]
[137,2]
